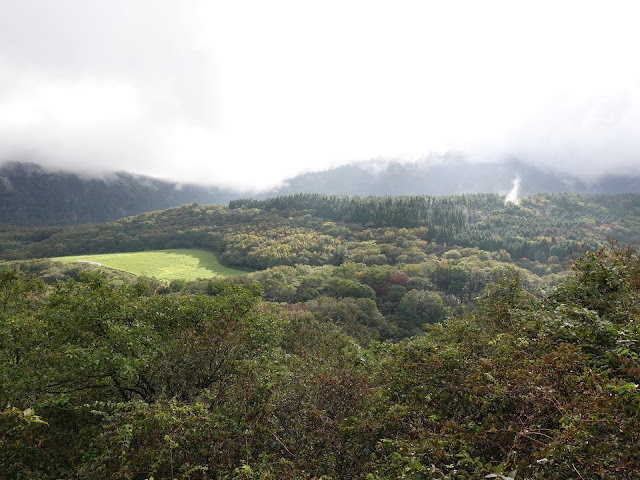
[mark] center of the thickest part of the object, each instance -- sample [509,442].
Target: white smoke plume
[514,194]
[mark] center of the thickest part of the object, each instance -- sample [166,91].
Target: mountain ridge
[31,195]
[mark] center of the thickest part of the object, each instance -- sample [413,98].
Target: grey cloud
[142,43]
[156,48]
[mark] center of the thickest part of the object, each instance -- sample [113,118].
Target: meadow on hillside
[174,264]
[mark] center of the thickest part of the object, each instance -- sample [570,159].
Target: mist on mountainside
[514,195]
[31,195]
[451,175]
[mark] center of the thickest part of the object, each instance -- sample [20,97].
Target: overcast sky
[246,93]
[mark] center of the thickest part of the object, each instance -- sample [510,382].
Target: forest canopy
[362,346]
[106,381]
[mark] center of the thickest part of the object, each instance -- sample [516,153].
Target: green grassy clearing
[177,264]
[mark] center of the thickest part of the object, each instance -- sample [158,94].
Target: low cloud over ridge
[248,94]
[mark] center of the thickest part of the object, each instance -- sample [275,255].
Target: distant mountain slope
[32,196]
[450,177]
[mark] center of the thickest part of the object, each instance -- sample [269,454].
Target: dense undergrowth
[110,380]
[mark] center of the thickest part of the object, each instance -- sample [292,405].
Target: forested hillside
[375,338]
[407,260]
[104,381]
[316,229]
[32,196]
